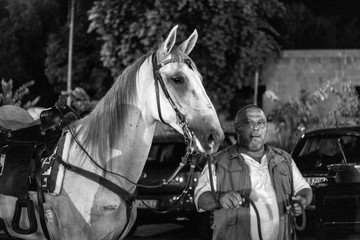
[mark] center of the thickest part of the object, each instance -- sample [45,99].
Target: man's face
[252,130]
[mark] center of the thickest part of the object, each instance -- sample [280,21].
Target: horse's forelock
[179,56]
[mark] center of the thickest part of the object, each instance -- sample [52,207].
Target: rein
[186,188]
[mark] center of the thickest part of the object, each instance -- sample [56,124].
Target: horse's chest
[105,204]
[93,201]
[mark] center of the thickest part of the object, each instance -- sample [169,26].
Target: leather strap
[40,194]
[158,100]
[30,135]
[98,179]
[158,79]
[216,199]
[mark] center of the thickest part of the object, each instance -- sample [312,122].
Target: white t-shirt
[262,193]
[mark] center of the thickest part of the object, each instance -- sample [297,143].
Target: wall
[298,70]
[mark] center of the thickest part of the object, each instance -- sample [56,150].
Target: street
[182,232]
[178,232]
[163,231]
[151,232]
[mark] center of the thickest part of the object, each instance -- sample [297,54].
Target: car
[158,204]
[319,152]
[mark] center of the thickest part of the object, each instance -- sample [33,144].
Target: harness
[188,137]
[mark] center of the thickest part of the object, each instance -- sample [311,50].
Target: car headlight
[179,179]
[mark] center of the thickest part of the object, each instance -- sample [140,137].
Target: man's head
[251,127]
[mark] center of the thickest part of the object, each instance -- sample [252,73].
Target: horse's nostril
[211,139]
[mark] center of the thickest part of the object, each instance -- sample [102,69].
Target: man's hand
[229,200]
[297,209]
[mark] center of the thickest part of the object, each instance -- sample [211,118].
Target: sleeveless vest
[233,175]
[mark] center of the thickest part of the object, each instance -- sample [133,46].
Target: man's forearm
[207,202]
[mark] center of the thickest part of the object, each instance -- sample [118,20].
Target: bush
[297,115]
[8,97]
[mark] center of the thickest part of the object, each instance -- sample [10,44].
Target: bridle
[188,135]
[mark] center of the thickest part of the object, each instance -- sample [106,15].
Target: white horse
[118,134]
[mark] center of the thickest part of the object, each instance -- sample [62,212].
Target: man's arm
[303,191]
[225,200]
[304,196]
[203,196]
[207,202]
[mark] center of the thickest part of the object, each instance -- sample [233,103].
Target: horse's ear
[188,45]
[168,44]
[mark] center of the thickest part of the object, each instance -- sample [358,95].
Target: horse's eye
[177,80]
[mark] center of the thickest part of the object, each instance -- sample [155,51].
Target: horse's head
[181,95]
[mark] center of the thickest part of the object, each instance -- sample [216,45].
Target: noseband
[188,135]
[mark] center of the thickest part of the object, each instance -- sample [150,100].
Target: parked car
[319,149]
[168,148]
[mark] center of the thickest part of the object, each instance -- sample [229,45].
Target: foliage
[81,101]
[346,110]
[87,70]
[297,115]
[8,97]
[16,41]
[235,37]
[24,25]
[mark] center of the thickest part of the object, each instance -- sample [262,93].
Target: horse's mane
[101,129]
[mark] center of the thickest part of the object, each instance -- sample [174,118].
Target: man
[252,172]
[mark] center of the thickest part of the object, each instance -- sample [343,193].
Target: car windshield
[320,151]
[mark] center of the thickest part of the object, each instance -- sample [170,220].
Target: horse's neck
[130,155]
[127,158]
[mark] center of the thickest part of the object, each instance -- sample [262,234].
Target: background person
[251,169]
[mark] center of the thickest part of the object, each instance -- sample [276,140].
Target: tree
[88,72]
[24,25]
[16,40]
[235,37]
